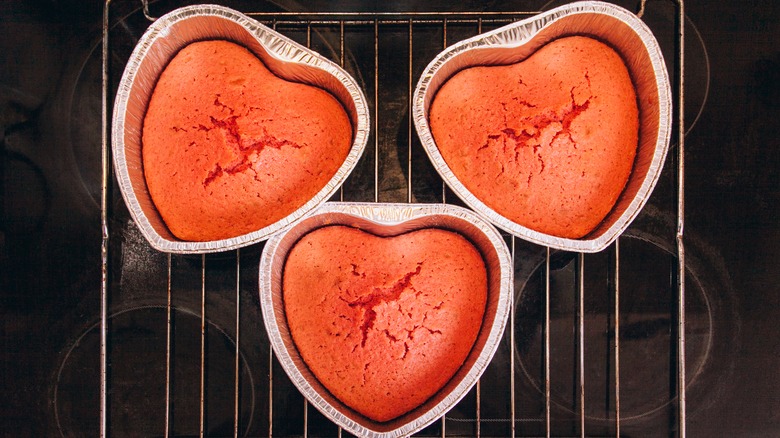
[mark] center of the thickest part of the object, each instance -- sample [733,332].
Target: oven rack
[343,23]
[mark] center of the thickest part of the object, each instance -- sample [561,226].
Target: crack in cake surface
[380,295]
[247,148]
[529,131]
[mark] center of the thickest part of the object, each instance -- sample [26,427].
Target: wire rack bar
[305,418]
[478,391]
[444,201]
[681,408]
[202,425]
[444,46]
[341,197]
[513,349]
[376,110]
[270,391]
[341,63]
[581,337]
[402,16]
[104,245]
[617,337]
[168,345]
[237,366]
[546,349]
[410,117]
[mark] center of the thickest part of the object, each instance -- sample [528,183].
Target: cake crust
[549,142]
[229,148]
[384,322]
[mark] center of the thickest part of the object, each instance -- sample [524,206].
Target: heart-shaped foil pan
[284,57]
[389,220]
[633,41]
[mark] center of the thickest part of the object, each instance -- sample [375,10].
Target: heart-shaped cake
[384,322]
[548,142]
[225,132]
[229,148]
[555,128]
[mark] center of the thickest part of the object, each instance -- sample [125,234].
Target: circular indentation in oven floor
[648,342]
[137,379]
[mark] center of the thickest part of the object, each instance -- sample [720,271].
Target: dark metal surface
[50,183]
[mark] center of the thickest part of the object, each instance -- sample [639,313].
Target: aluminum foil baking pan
[635,43]
[389,220]
[284,57]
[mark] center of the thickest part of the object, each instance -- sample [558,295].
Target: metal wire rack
[447,27]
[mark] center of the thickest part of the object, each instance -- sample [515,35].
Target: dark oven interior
[187,353]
